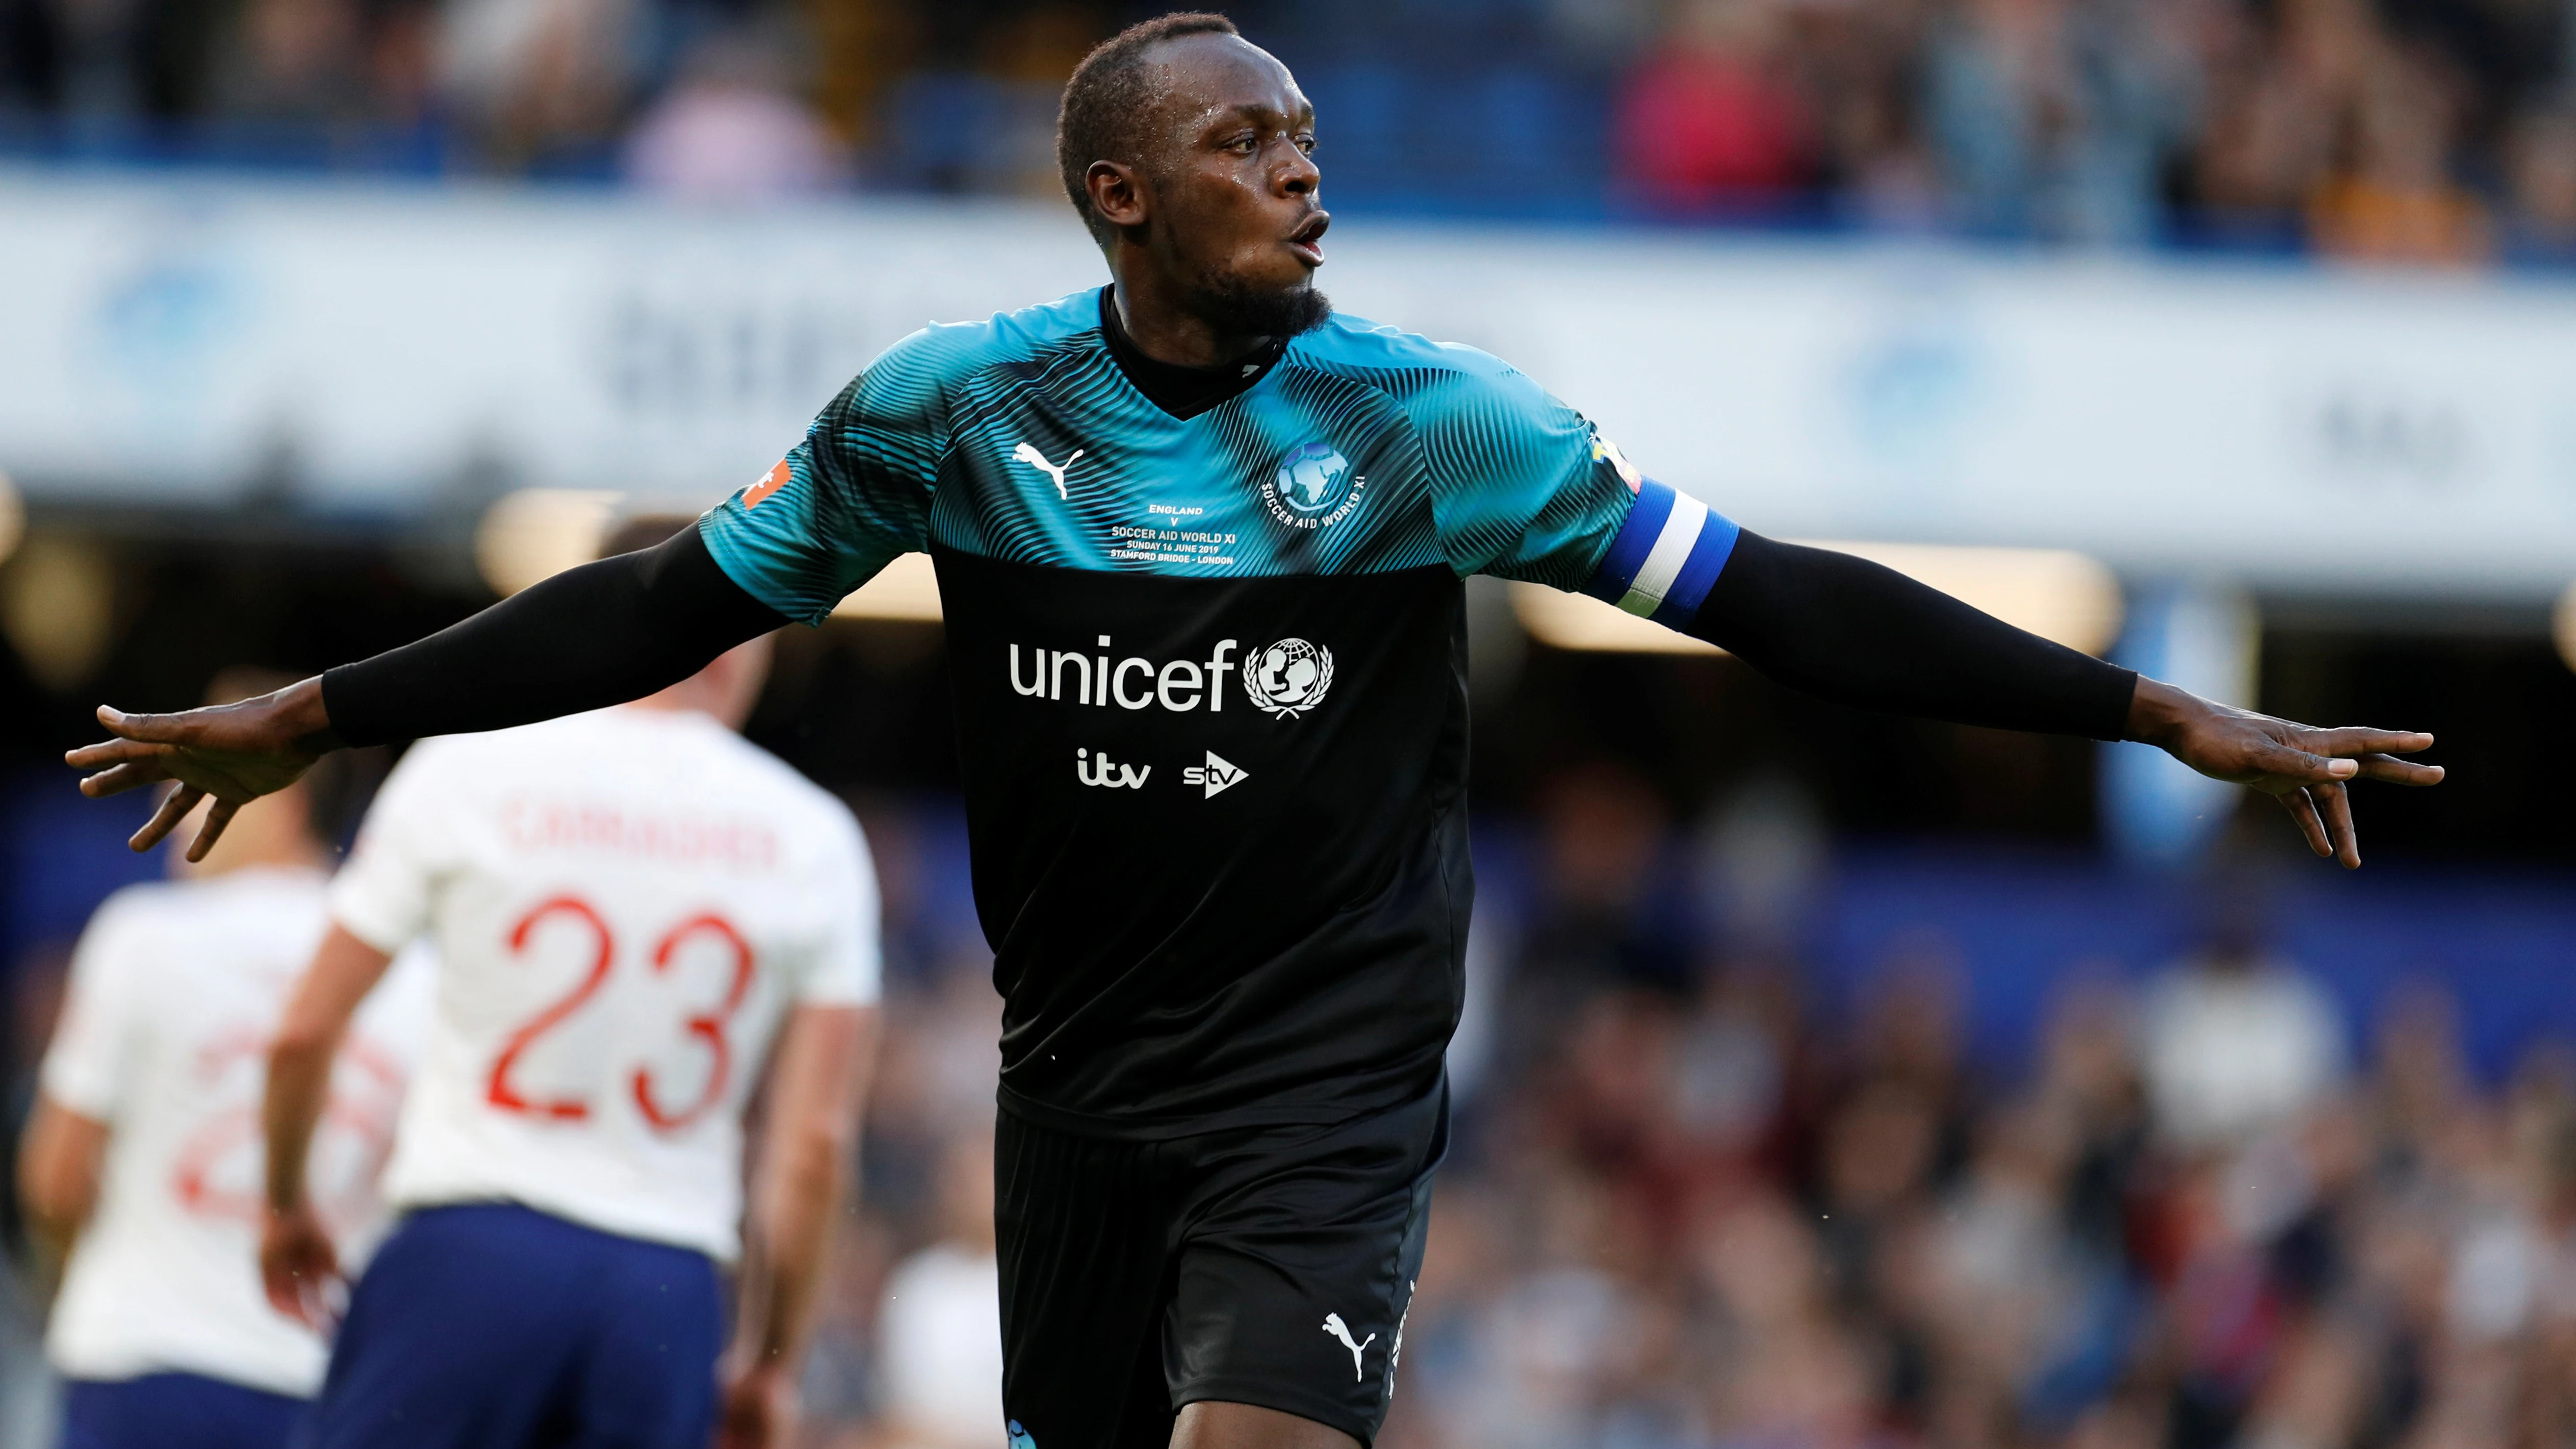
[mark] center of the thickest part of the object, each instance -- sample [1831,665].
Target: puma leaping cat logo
[1333,1325]
[1028,453]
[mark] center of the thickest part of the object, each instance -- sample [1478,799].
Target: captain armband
[1668,553]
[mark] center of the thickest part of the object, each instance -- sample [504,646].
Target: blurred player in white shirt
[630,907]
[939,1333]
[142,1159]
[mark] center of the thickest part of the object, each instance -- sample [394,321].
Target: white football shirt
[940,1356]
[625,905]
[174,996]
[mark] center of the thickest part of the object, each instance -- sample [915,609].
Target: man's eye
[1306,144]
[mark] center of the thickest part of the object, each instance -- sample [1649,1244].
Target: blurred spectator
[2089,1079]
[940,1334]
[2378,130]
[1708,122]
[2275,93]
[1787,1370]
[1732,1069]
[97,48]
[2236,1041]
[1612,910]
[1762,858]
[294,61]
[2052,117]
[1603,33]
[2542,223]
[1860,67]
[731,130]
[2393,197]
[536,79]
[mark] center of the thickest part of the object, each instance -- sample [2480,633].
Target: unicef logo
[1288,678]
[1314,486]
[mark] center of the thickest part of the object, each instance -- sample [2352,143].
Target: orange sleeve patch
[770,482]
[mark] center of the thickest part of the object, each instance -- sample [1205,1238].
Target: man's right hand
[297,1265]
[758,1410]
[233,752]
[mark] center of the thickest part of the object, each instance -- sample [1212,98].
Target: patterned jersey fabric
[1210,680]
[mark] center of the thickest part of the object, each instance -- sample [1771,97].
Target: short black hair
[1107,103]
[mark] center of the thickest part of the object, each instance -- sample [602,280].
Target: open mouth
[1307,240]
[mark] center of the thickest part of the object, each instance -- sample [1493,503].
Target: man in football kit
[142,1156]
[1200,546]
[629,907]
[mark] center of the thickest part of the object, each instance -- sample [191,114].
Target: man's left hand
[2306,768]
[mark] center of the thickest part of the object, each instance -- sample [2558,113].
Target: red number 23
[706,1027]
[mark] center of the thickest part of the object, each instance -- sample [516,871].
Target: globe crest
[1289,677]
[1312,478]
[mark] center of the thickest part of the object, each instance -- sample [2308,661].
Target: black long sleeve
[1862,634]
[590,637]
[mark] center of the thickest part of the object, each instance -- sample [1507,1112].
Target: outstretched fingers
[159,729]
[121,778]
[113,752]
[174,808]
[2350,741]
[2398,772]
[2373,753]
[2303,813]
[2291,763]
[2336,803]
[218,815]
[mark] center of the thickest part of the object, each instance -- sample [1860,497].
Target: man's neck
[1183,392]
[1169,333]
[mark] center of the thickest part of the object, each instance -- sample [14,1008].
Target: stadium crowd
[1693,1203]
[2438,131]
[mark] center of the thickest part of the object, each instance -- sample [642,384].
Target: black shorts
[1255,1265]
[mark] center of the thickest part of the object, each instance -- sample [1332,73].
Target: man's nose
[1300,176]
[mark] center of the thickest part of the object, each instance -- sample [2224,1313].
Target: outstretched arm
[1865,635]
[590,637]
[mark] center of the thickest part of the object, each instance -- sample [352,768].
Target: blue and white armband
[1668,552]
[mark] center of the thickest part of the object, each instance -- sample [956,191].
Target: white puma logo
[1333,1325]
[1028,453]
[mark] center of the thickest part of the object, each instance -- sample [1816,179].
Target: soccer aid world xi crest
[1288,678]
[1314,487]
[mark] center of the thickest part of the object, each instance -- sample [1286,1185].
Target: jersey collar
[1184,392]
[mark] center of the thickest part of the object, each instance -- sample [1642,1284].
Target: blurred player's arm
[296,1256]
[1862,634]
[58,1172]
[589,637]
[825,1057]
[89,1065]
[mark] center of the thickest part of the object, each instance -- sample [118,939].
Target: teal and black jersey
[1210,681]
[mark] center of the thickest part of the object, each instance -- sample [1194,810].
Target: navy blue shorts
[175,1411]
[494,1326]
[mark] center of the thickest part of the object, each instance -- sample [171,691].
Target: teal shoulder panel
[858,490]
[1521,485]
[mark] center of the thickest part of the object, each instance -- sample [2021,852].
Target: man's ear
[1117,193]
